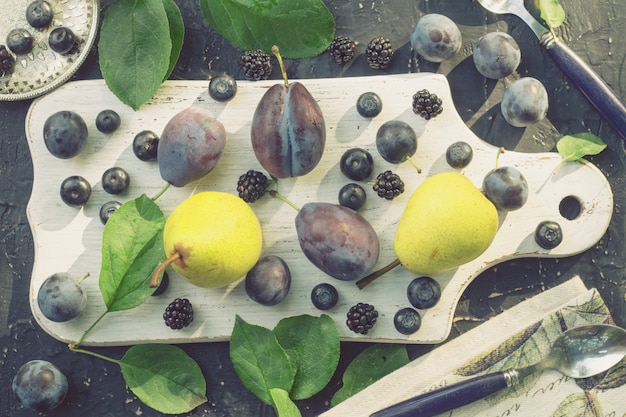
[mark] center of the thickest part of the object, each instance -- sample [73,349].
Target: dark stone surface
[595,30]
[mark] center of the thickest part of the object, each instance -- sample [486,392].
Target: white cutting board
[68,239]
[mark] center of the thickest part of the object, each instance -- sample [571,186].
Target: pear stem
[363,282]
[160,193]
[284,199]
[412,162]
[276,53]
[154,281]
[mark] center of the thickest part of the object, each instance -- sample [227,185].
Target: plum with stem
[337,240]
[61,297]
[288,130]
[396,142]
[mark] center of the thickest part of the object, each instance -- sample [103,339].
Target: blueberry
[108,121]
[506,188]
[496,55]
[548,234]
[115,180]
[369,104]
[40,385]
[357,164]
[324,296]
[61,40]
[524,102]
[75,191]
[20,41]
[269,280]
[407,320]
[352,195]
[222,87]
[459,154]
[61,298]
[39,14]
[145,145]
[107,210]
[65,134]
[423,292]
[163,285]
[396,141]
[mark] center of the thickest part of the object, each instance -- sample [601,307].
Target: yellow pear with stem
[211,239]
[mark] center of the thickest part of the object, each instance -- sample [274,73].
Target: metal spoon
[599,94]
[580,352]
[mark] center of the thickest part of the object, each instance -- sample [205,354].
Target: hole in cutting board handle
[570,207]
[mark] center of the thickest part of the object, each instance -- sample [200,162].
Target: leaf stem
[86,332]
[97,355]
[363,282]
[284,199]
[160,193]
[276,53]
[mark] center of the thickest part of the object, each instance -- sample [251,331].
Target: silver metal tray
[42,69]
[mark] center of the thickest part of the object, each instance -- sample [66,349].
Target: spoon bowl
[580,352]
[586,351]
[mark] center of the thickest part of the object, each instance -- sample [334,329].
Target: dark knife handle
[603,98]
[447,398]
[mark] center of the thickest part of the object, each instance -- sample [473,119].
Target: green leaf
[164,377]
[575,147]
[259,360]
[135,49]
[177,33]
[580,404]
[551,12]
[284,406]
[313,345]
[132,247]
[368,367]
[251,24]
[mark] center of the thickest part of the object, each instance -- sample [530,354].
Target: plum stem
[81,279]
[412,162]
[276,53]
[501,150]
[284,199]
[363,282]
[160,193]
[154,280]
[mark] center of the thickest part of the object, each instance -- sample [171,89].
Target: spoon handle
[603,98]
[450,397]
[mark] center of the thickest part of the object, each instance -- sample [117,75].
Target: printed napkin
[518,337]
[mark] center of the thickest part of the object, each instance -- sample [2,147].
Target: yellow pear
[447,222]
[212,239]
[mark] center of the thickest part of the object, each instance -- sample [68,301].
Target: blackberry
[252,185]
[341,49]
[256,65]
[178,314]
[7,62]
[388,185]
[426,104]
[379,53]
[361,318]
